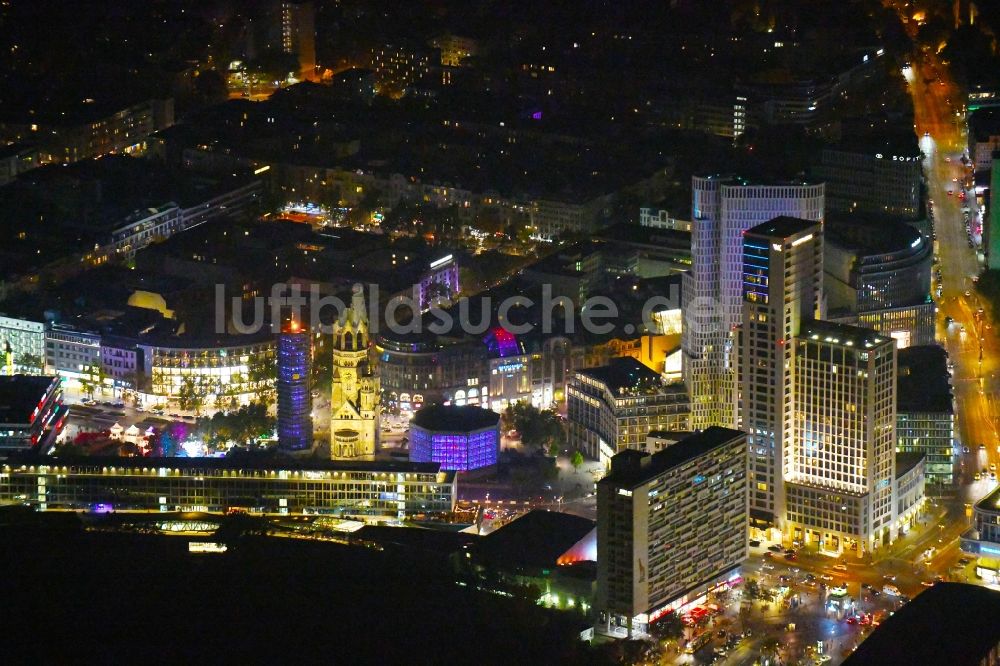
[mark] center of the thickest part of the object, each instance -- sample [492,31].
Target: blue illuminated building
[459,438]
[295,426]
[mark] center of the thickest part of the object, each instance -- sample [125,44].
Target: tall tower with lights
[354,403]
[295,424]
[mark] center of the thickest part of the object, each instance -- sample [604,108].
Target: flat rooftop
[621,374]
[783,227]
[906,461]
[453,418]
[842,334]
[229,463]
[633,468]
[20,395]
[536,539]
[961,618]
[922,380]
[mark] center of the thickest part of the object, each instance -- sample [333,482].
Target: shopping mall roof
[950,623]
[535,540]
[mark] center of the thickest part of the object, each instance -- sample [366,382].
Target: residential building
[298,35]
[16,158]
[458,438]
[925,415]
[840,460]
[370,491]
[22,345]
[354,404]
[984,137]
[31,413]
[722,208]
[782,288]
[73,353]
[671,527]
[614,407]
[92,129]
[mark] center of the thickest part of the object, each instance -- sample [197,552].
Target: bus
[698,642]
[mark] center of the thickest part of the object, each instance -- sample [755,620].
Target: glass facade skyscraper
[295,425]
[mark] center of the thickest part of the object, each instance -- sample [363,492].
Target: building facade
[294,388]
[925,415]
[219,372]
[366,490]
[355,401]
[671,526]
[73,354]
[22,346]
[614,407]
[457,438]
[842,449]
[32,414]
[722,208]
[782,288]
[872,181]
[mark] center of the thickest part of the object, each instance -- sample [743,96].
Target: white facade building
[841,464]
[722,208]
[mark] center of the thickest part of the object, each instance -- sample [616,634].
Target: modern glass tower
[295,425]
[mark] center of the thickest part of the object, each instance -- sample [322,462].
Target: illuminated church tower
[354,404]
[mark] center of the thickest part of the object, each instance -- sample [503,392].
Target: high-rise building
[298,35]
[295,424]
[782,287]
[671,527]
[840,459]
[722,208]
[354,403]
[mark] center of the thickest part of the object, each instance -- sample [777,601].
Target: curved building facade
[878,275]
[722,208]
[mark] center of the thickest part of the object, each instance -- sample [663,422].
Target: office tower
[722,208]
[782,287]
[840,458]
[295,425]
[354,402]
[670,527]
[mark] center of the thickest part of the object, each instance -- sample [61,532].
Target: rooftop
[872,236]
[922,381]
[452,418]
[19,396]
[248,462]
[961,617]
[783,227]
[621,374]
[906,461]
[633,468]
[842,334]
[537,539]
